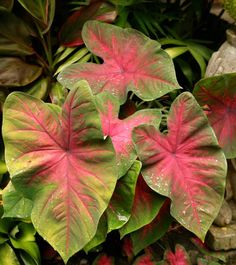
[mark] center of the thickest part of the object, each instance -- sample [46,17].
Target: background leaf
[42,10]
[217,95]
[120,206]
[14,72]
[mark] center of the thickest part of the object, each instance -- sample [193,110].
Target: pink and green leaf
[218,96]
[146,206]
[180,257]
[120,131]
[150,233]
[70,34]
[186,165]
[120,206]
[132,62]
[59,160]
[145,259]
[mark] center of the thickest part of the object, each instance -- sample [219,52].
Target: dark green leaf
[15,72]
[14,35]
[42,10]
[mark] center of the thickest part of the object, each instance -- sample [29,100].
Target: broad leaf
[14,35]
[120,131]
[39,89]
[120,206]
[70,34]
[145,208]
[217,95]
[185,165]
[61,162]
[150,233]
[42,10]
[15,72]
[180,257]
[132,62]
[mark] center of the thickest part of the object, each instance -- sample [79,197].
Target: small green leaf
[120,206]
[39,88]
[15,205]
[7,255]
[100,235]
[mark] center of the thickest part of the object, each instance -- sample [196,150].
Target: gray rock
[223,61]
[224,216]
[222,238]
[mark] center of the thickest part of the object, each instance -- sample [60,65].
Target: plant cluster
[103,138]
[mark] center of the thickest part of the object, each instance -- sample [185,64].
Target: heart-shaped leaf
[15,72]
[150,233]
[59,160]
[42,10]
[132,62]
[180,257]
[120,206]
[185,165]
[217,94]
[70,34]
[120,131]
[145,208]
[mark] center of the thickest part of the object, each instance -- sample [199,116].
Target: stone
[232,205]
[224,216]
[223,61]
[222,238]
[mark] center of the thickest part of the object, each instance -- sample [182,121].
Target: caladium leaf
[60,161]
[145,208]
[120,206]
[120,131]
[145,259]
[185,165]
[42,10]
[132,62]
[70,34]
[180,257]
[150,233]
[103,259]
[217,94]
